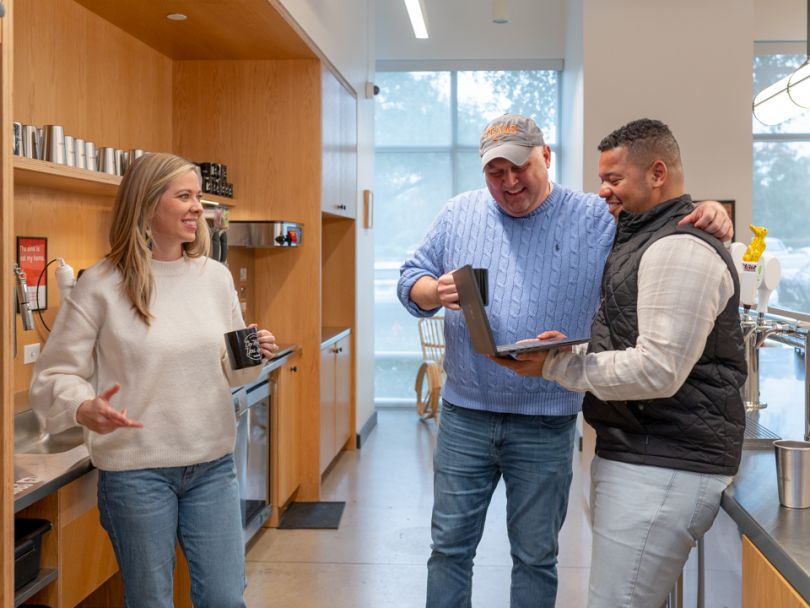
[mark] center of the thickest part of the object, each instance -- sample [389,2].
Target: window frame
[455,149]
[762,48]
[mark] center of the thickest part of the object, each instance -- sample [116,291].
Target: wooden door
[763,586]
[330,142]
[286,472]
[327,406]
[348,153]
[342,393]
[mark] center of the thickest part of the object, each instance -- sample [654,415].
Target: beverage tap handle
[770,273]
[22,299]
[64,279]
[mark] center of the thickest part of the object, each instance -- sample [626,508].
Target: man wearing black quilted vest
[662,373]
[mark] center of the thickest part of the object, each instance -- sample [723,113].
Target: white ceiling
[463,29]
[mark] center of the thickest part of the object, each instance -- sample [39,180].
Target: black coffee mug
[482,280]
[243,348]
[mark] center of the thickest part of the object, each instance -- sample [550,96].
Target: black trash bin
[27,548]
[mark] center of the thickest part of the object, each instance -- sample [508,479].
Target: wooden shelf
[237,29]
[45,577]
[44,174]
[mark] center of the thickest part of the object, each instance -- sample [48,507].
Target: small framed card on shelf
[32,256]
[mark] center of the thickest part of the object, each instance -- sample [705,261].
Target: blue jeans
[474,448]
[645,521]
[146,511]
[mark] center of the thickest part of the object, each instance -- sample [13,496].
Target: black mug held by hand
[243,348]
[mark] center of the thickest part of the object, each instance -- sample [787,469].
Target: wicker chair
[431,337]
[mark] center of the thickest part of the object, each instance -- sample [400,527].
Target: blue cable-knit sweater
[545,271]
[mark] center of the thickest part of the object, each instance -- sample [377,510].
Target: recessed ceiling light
[500,11]
[177,17]
[416,12]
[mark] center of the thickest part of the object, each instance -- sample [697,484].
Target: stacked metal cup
[53,143]
[107,161]
[50,143]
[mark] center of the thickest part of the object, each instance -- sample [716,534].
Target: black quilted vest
[700,428]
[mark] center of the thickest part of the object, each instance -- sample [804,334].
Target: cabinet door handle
[293,369]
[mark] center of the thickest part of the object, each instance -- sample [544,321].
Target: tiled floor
[376,559]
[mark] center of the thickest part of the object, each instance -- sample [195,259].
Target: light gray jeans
[645,521]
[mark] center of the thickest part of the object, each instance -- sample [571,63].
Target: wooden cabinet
[77,547]
[336,404]
[342,393]
[285,469]
[327,418]
[762,585]
[339,148]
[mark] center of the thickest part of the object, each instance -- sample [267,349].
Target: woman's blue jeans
[146,511]
[474,449]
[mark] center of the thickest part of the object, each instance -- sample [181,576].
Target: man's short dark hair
[645,140]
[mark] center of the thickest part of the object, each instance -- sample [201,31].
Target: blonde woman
[137,357]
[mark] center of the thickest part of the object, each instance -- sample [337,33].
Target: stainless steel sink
[31,438]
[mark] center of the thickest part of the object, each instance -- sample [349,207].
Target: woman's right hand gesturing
[98,416]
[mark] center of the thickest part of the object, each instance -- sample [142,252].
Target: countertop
[37,475]
[752,500]
[330,335]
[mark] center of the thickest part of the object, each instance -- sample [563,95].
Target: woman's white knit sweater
[174,374]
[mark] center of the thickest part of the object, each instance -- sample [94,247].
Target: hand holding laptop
[530,363]
[483,341]
[446,292]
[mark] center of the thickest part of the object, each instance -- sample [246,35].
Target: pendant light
[790,96]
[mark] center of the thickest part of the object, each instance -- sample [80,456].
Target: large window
[781,188]
[427,131]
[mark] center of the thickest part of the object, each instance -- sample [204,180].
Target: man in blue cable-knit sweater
[544,247]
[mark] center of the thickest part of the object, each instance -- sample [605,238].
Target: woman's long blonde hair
[143,184]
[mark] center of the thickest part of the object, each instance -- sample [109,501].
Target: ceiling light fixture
[790,96]
[500,11]
[416,12]
[176,17]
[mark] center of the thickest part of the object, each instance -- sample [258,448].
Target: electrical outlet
[243,274]
[30,353]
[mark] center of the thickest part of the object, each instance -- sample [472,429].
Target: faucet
[757,329]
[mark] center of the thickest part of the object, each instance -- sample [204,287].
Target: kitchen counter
[37,475]
[752,500]
[330,335]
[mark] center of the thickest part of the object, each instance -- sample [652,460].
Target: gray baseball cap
[510,136]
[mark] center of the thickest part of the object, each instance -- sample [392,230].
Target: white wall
[780,20]
[344,32]
[687,63]
[463,29]
[573,100]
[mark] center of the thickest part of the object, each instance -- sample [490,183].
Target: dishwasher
[252,452]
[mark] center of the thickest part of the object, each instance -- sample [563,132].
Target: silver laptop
[483,342]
